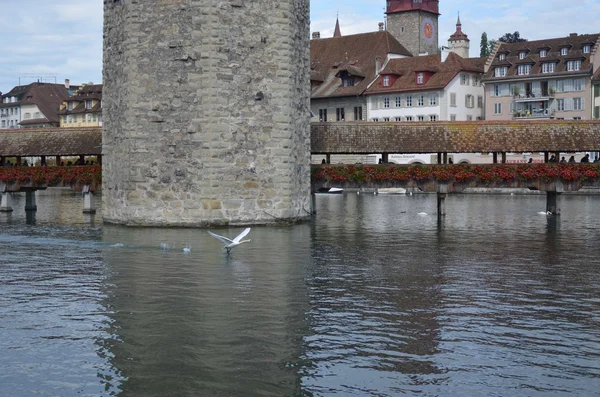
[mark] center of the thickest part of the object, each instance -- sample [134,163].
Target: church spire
[337,32]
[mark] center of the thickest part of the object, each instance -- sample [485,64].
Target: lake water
[369,299]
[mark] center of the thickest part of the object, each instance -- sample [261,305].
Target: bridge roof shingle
[51,142]
[455,137]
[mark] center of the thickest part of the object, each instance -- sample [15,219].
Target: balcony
[534,97]
[533,114]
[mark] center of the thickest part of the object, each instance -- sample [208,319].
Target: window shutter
[582,103]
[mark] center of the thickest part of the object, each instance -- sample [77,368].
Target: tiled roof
[405,68]
[596,76]
[51,142]
[456,137]
[47,97]
[86,92]
[327,56]
[575,44]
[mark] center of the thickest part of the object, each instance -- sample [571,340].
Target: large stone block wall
[206,112]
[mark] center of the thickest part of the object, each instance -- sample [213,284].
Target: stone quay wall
[206,112]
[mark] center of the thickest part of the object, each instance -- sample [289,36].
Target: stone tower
[414,23]
[206,112]
[459,42]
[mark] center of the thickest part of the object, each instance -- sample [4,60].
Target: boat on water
[330,190]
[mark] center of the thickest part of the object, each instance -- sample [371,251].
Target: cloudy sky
[59,39]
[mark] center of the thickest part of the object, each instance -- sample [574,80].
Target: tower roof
[337,32]
[459,34]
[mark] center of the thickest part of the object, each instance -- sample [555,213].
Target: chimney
[381,26]
[316,35]
[67,84]
[572,34]
[377,65]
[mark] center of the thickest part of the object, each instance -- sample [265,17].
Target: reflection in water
[368,299]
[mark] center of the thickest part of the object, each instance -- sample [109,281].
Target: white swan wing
[224,240]
[240,236]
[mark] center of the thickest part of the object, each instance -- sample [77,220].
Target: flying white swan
[229,244]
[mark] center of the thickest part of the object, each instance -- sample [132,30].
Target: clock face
[428,29]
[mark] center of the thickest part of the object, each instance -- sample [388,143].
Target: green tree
[485,47]
[511,38]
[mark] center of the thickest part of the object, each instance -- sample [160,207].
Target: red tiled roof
[47,97]
[553,46]
[329,56]
[405,68]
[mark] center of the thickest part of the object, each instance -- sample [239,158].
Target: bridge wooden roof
[51,141]
[455,137]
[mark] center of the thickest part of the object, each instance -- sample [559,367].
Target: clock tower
[414,23]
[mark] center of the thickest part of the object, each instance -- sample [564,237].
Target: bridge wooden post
[18,162]
[88,200]
[385,157]
[495,158]
[552,198]
[442,191]
[445,160]
[328,158]
[546,157]
[57,161]
[6,202]
[313,203]
[503,157]
[30,204]
[99,157]
[439,158]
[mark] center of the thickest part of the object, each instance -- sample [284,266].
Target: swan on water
[545,213]
[229,244]
[187,249]
[422,213]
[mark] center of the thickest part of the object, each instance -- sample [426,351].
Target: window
[543,53]
[94,117]
[560,105]
[64,119]
[37,115]
[523,69]
[386,119]
[348,81]
[500,71]
[573,65]
[548,67]
[564,51]
[480,102]
[386,102]
[69,105]
[452,117]
[469,118]
[75,118]
[497,90]
[420,100]
[375,119]
[522,55]
[409,100]
[420,78]
[597,112]
[586,48]
[27,116]
[497,108]
[386,81]
[469,101]
[502,57]
[577,103]
[398,118]
[70,119]
[453,99]
[432,117]
[597,90]
[433,99]
[88,104]
[409,118]
[578,85]
[358,113]
[476,81]
[323,115]
[421,118]
[463,79]
[89,117]
[340,114]
[398,101]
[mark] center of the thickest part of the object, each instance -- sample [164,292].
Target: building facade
[83,108]
[414,23]
[542,79]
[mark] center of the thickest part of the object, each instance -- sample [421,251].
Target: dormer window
[502,57]
[386,81]
[500,71]
[548,67]
[523,69]
[564,51]
[573,65]
[88,104]
[420,78]
[70,106]
[522,55]
[348,81]
[587,48]
[543,53]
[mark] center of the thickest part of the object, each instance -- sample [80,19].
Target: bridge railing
[456,178]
